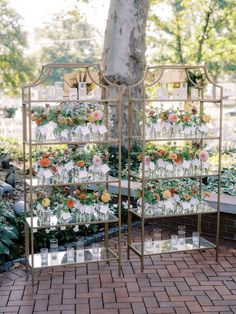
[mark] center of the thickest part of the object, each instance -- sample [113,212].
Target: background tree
[15,68]
[68,38]
[193,32]
[124,45]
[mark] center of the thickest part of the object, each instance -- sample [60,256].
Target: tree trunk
[124,47]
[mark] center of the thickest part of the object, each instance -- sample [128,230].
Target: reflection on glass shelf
[152,212]
[154,176]
[165,246]
[166,139]
[176,100]
[69,219]
[54,141]
[80,257]
[36,182]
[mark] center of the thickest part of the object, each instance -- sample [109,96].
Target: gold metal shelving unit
[137,111]
[111,96]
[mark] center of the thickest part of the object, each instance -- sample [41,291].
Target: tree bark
[124,46]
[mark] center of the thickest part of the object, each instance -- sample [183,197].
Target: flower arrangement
[172,160]
[71,120]
[70,165]
[171,197]
[79,206]
[177,123]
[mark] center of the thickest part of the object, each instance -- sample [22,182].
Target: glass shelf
[70,221]
[105,254]
[169,139]
[137,212]
[165,247]
[36,185]
[176,100]
[57,142]
[72,101]
[139,176]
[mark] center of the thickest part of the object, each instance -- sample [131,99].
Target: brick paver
[172,283]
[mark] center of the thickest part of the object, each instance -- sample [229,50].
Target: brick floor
[172,283]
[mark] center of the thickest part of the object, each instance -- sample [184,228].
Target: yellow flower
[206,118]
[188,107]
[91,118]
[106,197]
[46,202]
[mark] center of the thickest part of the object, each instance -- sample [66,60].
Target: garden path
[173,283]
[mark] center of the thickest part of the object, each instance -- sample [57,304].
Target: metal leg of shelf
[199,223]
[142,263]
[32,277]
[129,233]
[106,240]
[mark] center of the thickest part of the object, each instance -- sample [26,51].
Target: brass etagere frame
[136,103]
[31,222]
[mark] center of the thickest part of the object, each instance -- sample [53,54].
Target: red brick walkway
[177,283]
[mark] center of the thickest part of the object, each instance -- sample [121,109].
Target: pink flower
[203,155]
[152,113]
[173,118]
[147,161]
[98,115]
[97,161]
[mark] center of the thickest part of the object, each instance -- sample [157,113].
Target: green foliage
[8,232]
[15,68]
[228,174]
[228,179]
[12,147]
[9,112]
[71,40]
[113,160]
[194,32]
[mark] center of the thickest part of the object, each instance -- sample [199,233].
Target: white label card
[104,209]
[186,164]
[194,201]
[105,168]
[43,130]
[77,130]
[47,173]
[69,166]
[83,174]
[102,129]
[186,205]
[64,133]
[84,130]
[169,167]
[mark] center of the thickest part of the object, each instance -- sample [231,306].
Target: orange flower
[33,118]
[77,192]
[82,196]
[44,162]
[178,160]
[70,203]
[172,156]
[186,197]
[207,194]
[80,163]
[162,152]
[39,121]
[186,118]
[140,157]
[172,191]
[106,197]
[166,194]
[157,196]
